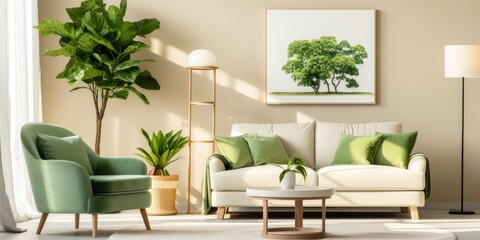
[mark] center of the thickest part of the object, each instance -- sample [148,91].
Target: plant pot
[288,181]
[164,193]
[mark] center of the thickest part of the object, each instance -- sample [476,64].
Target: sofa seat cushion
[255,176]
[371,178]
[120,184]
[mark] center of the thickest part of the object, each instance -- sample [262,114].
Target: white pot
[288,181]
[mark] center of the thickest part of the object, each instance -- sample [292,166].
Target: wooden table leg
[324,215]
[298,213]
[265,216]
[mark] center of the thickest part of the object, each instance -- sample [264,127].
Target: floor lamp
[462,61]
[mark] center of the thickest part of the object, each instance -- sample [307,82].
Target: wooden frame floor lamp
[462,61]
[200,60]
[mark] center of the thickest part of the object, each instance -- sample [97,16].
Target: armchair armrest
[60,186]
[120,166]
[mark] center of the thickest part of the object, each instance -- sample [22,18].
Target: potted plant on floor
[101,47]
[287,176]
[162,149]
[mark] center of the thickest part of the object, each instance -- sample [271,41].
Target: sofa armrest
[216,165]
[418,162]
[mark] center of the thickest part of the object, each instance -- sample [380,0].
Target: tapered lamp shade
[202,58]
[462,61]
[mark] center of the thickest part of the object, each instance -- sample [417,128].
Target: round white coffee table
[298,194]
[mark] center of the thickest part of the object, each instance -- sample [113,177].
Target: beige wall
[411,35]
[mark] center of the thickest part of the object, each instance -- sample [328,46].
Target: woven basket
[164,192]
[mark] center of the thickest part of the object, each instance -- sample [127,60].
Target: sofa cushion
[356,149]
[297,138]
[236,151]
[266,149]
[370,178]
[69,148]
[119,184]
[255,176]
[327,136]
[395,149]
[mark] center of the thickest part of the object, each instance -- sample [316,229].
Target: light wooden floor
[61,227]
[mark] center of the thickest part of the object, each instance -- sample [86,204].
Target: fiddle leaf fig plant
[162,148]
[99,44]
[294,164]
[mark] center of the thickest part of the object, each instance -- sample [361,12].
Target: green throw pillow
[356,149]
[68,148]
[266,149]
[395,149]
[235,150]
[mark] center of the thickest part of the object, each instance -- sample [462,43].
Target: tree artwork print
[316,56]
[312,63]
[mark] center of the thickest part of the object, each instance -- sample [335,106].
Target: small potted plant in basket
[287,176]
[162,149]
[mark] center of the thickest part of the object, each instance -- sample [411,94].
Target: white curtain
[19,103]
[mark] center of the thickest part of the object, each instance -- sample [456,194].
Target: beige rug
[243,230]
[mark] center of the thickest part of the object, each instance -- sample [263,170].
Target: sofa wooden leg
[221,213]
[77,220]
[43,219]
[145,218]
[404,210]
[414,213]
[94,224]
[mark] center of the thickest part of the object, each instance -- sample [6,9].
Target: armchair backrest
[28,136]
[47,175]
[29,133]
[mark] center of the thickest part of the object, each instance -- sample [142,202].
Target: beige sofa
[355,185]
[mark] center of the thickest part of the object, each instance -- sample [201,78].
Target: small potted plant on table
[163,148]
[287,176]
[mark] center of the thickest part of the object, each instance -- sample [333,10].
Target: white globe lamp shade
[202,58]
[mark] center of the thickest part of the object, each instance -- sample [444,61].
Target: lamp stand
[461,210]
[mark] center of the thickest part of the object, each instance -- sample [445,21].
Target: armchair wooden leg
[43,219]
[221,213]
[77,220]
[145,218]
[414,213]
[94,224]
[404,210]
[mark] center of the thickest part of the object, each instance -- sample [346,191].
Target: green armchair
[74,179]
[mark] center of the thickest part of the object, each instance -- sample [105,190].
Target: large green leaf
[104,58]
[115,15]
[128,33]
[47,27]
[67,51]
[128,75]
[103,41]
[86,43]
[126,65]
[146,81]
[123,7]
[139,94]
[76,14]
[107,84]
[92,5]
[146,26]
[95,22]
[135,46]
[122,94]
[77,88]
[89,73]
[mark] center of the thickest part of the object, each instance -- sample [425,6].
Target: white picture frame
[284,26]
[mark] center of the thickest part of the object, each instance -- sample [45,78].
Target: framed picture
[320,57]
